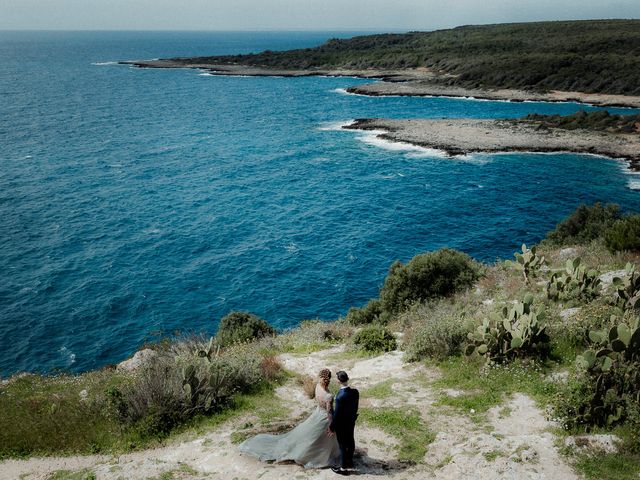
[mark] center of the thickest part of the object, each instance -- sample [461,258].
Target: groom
[343,423]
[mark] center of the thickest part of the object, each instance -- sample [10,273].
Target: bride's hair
[325,377]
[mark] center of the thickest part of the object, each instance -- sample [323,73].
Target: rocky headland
[464,136]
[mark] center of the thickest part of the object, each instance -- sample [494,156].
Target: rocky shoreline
[426,88]
[390,76]
[464,136]
[415,82]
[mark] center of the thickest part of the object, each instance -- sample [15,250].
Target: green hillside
[590,56]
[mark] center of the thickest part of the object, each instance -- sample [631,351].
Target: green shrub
[194,378]
[375,338]
[370,313]
[153,403]
[427,276]
[585,224]
[624,235]
[238,327]
[435,330]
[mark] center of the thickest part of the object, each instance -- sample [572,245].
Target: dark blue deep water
[141,201]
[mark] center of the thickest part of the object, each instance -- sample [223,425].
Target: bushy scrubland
[587,56]
[507,324]
[600,120]
[572,303]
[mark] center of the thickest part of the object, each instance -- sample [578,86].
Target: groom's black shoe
[340,471]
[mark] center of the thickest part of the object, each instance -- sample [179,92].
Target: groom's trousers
[347,445]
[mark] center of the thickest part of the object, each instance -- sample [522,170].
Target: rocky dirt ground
[514,441]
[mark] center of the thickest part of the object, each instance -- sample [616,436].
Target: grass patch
[379,390]
[48,416]
[487,387]
[493,455]
[59,414]
[610,466]
[406,426]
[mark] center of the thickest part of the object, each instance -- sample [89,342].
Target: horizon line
[309,30]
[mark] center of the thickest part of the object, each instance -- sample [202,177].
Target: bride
[309,444]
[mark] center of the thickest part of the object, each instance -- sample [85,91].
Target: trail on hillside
[515,441]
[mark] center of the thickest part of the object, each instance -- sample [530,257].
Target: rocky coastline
[412,82]
[465,136]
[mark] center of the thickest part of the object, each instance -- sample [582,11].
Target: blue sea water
[141,201]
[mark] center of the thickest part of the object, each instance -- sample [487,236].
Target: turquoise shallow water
[143,201]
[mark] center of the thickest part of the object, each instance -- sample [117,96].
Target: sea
[142,203]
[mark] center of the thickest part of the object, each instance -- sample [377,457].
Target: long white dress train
[307,444]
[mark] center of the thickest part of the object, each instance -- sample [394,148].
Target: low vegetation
[548,313]
[584,225]
[375,338]
[406,426]
[238,327]
[426,276]
[587,56]
[600,120]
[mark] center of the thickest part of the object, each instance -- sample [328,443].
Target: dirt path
[513,442]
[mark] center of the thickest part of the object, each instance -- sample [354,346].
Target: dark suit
[343,423]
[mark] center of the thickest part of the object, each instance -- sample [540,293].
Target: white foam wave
[335,126]
[104,63]
[473,158]
[371,137]
[291,248]
[68,355]
[213,74]
[634,184]
[343,91]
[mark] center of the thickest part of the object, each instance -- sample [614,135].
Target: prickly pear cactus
[528,262]
[628,288]
[574,282]
[511,332]
[612,368]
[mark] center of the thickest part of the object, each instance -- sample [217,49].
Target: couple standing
[323,437]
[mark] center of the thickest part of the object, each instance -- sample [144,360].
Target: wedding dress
[307,444]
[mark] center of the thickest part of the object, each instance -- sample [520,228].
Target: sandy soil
[513,442]
[463,136]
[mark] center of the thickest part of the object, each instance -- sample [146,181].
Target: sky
[369,15]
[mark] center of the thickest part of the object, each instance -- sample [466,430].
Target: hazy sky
[396,15]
